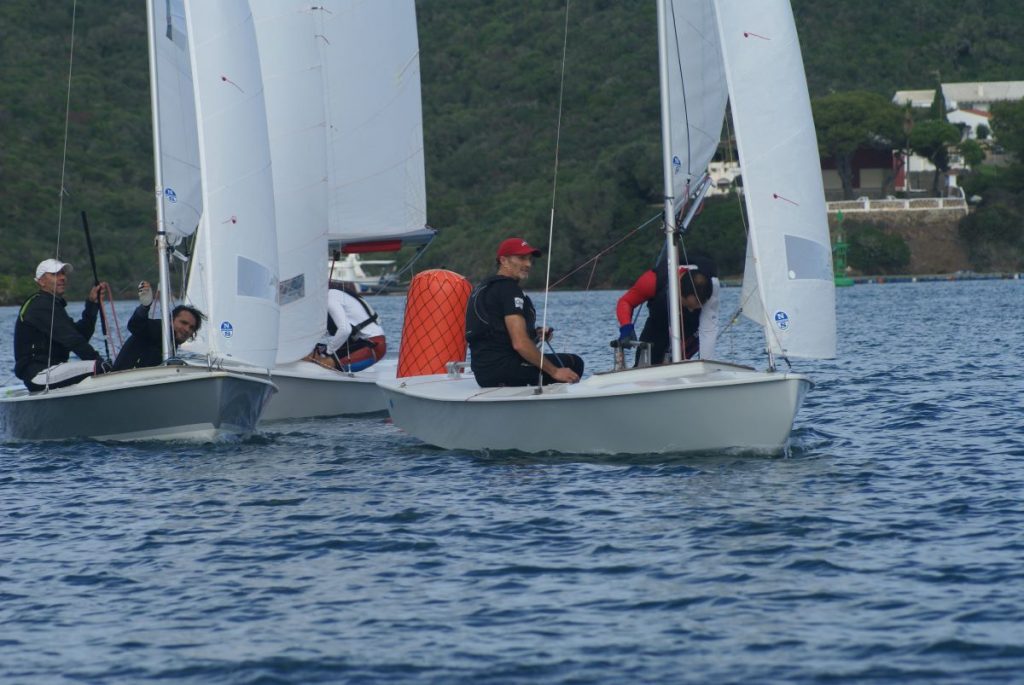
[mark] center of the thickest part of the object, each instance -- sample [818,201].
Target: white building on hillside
[971,120]
[977,95]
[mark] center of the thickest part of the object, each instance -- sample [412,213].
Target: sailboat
[345,120]
[352,269]
[212,168]
[750,49]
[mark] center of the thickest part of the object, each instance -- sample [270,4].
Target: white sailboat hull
[686,407]
[161,403]
[307,390]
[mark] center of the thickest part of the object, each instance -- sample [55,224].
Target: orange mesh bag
[434,332]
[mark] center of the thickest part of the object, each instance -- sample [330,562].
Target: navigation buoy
[434,332]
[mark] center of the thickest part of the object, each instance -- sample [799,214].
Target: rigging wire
[63,190]
[554,194]
[605,251]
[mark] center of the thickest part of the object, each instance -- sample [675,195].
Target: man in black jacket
[45,335]
[501,328]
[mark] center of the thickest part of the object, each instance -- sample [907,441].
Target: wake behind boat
[706,48]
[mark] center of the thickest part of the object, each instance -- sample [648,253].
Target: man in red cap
[501,328]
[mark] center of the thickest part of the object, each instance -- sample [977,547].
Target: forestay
[181,193]
[289,47]
[375,122]
[788,283]
[233,277]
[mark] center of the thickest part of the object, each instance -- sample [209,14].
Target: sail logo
[226,329]
[171,196]
[781,320]
[677,164]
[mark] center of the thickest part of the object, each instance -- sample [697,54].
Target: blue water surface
[886,546]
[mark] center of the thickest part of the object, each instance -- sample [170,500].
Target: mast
[666,164]
[161,234]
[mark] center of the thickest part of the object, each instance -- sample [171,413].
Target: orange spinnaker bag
[434,332]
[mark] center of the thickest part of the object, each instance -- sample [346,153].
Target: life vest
[478,326]
[371,317]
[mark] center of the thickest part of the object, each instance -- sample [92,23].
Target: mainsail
[377,187]
[788,285]
[178,159]
[697,91]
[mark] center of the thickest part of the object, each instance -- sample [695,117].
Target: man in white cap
[45,336]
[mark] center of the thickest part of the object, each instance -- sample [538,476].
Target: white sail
[697,91]
[178,159]
[233,277]
[375,120]
[286,31]
[788,286]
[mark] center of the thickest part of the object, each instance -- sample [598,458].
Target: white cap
[52,266]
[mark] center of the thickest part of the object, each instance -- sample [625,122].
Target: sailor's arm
[336,310]
[527,349]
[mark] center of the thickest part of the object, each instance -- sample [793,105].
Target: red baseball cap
[516,246]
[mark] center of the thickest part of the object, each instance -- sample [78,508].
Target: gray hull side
[299,397]
[749,418]
[206,406]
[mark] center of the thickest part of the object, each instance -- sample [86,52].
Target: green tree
[847,122]
[1008,121]
[931,139]
[994,232]
[873,251]
[938,108]
[972,153]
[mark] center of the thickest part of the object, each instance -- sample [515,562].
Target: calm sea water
[888,545]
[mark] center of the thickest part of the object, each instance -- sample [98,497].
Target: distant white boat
[352,269]
[705,405]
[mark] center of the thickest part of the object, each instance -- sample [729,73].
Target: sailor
[357,339]
[45,335]
[698,295]
[144,346]
[501,327]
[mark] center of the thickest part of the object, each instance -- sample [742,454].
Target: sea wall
[931,235]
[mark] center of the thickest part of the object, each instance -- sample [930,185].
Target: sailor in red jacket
[698,290]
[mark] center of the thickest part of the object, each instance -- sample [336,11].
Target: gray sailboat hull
[676,408]
[306,390]
[160,403]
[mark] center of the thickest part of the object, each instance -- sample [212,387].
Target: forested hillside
[490,93]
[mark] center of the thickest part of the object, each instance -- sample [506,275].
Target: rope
[606,250]
[63,168]
[554,192]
